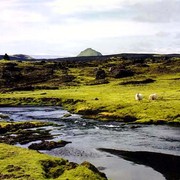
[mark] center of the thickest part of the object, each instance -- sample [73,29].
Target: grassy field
[114,100]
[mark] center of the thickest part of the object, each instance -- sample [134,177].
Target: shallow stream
[89,135]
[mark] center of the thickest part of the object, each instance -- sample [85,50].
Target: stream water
[89,135]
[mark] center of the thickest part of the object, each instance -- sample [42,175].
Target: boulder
[47,145]
[100,74]
[118,72]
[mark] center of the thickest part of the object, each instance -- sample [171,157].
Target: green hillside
[89,52]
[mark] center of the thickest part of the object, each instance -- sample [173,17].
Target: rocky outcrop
[100,74]
[48,145]
[21,133]
[10,73]
[120,72]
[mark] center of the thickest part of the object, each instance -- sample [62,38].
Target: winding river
[89,135]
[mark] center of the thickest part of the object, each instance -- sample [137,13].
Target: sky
[67,27]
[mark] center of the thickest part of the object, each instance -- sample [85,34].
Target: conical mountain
[90,52]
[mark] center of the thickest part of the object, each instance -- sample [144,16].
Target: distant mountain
[89,52]
[18,57]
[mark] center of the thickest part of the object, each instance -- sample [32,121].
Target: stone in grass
[48,145]
[4,116]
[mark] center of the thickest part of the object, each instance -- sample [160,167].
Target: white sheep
[138,97]
[153,96]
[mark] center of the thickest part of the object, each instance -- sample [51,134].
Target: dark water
[89,135]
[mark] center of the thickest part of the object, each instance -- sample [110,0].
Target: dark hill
[18,57]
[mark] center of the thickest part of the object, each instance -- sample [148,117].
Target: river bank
[87,136]
[108,101]
[16,162]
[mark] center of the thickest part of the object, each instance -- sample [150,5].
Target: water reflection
[166,164]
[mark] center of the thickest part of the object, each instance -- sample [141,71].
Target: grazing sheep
[138,96]
[152,96]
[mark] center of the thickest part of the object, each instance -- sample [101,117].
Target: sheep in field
[152,96]
[138,97]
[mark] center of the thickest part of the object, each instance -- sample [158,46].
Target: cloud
[70,7]
[14,16]
[162,11]
[177,36]
[18,11]
[70,26]
[133,10]
[163,34]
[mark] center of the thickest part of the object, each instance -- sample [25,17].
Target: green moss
[22,125]
[19,163]
[80,173]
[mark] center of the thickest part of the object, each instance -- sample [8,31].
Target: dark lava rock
[120,73]
[2,130]
[20,133]
[97,82]
[145,81]
[129,118]
[25,136]
[47,145]
[100,74]
[66,78]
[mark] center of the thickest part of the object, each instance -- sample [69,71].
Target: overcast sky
[66,27]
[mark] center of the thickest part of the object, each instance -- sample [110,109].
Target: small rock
[67,115]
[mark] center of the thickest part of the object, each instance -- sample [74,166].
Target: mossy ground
[19,163]
[111,101]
